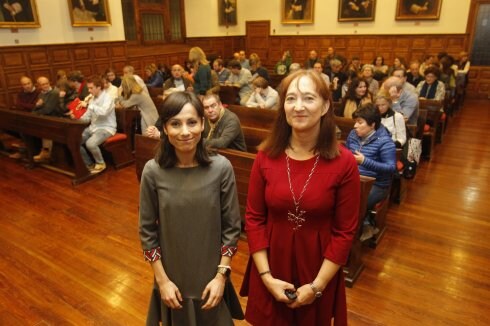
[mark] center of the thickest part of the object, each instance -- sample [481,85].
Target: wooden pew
[60,130]
[345,125]
[435,109]
[242,166]
[228,94]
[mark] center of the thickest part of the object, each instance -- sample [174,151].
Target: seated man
[312,59]
[404,102]
[337,79]
[222,72]
[47,104]
[264,96]
[319,69]
[242,58]
[177,82]
[102,117]
[413,76]
[75,79]
[28,95]
[375,155]
[222,127]
[240,77]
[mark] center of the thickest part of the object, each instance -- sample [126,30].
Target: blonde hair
[383,95]
[197,56]
[129,86]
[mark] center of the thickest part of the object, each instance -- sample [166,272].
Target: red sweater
[26,101]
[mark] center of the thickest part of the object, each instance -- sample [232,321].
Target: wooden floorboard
[71,255]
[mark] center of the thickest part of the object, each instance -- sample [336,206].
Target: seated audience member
[215,85]
[319,69]
[109,88]
[337,79]
[164,70]
[282,66]
[46,104]
[154,76]
[75,79]
[312,59]
[329,56]
[428,62]
[367,72]
[355,65]
[403,101]
[240,77]
[402,75]
[134,96]
[66,96]
[413,75]
[431,88]
[263,96]
[176,83]
[375,155]
[391,120]
[102,117]
[256,68]
[463,64]
[242,58]
[351,75]
[294,67]
[398,63]
[27,96]
[448,73]
[222,72]
[357,96]
[222,127]
[61,75]
[112,77]
[129,71]
[380,69]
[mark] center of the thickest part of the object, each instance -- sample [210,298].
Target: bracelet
[265,272]
[225,266]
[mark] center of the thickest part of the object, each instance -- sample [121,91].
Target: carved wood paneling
[60,55]
[35,58]
[15,59]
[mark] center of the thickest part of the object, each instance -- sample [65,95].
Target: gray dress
[189,213]
[149,113]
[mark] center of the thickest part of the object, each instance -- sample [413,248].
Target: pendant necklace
[298,217]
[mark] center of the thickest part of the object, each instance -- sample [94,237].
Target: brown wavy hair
[279,138]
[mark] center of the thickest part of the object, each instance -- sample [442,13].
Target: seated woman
[357,95]
[154,76]
[66,96]
[391,120]
[134,96]
[431,88]
[112,77]
[397,64]
[380,69]
[256,68]
[264,96]
[367,72]
[375,155]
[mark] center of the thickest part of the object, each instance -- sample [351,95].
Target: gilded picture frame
[227,12]
[298,11]
[89,13]
[356,10]
[418,9]
[19,14]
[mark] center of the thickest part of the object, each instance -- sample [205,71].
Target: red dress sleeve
[256,211]
[346,218]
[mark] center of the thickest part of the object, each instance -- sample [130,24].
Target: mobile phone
[291,294]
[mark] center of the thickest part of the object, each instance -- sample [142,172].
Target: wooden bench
[345,125]
[60,130]
[242,163]
[228,94]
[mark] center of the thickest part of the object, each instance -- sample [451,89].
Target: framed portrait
[298,11]
[227,12]
[19,14]
[418,9]
[356,10]
[89,12]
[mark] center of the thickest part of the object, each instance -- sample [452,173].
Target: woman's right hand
[170,294]
[276,287]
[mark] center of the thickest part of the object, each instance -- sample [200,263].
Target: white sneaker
[98,167]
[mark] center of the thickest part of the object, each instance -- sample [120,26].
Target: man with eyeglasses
[222,127]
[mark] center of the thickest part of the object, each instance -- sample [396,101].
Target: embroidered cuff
[152,254]
[228,250]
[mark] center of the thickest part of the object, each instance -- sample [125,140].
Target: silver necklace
[298,218]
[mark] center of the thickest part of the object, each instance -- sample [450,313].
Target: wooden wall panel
[60,55]
[13,60]
[35,58]
[81,54]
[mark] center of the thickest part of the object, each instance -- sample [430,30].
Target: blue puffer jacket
[379,155]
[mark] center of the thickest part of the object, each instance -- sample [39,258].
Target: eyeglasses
[212,106]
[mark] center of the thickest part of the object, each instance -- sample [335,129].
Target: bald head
[177,71]
[43,84]
[128,70]
[26,84]
[393,82]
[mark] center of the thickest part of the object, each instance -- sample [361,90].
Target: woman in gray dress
[189,222]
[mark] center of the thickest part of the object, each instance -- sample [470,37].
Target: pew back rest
[345,125]
[254,117]
[228,94]
[145,150]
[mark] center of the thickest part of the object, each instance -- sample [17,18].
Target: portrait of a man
[227,12]
[418,9]
[16,11]
[297,11]
[89,12]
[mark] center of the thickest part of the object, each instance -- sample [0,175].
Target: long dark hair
[171,106]
[351,91]
[279,138]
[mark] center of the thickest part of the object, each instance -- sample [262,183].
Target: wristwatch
[317,292]
[224,271]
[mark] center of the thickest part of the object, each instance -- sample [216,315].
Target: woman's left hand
[304,295]
[214,291]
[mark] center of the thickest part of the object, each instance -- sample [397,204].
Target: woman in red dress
[302,212]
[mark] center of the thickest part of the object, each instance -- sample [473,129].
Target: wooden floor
[71,255]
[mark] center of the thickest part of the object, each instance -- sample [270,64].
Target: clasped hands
[276,287]
[213,291]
